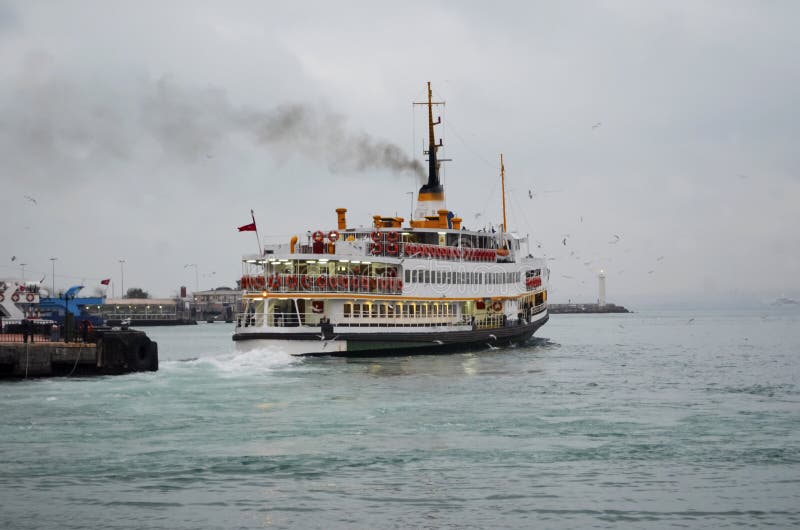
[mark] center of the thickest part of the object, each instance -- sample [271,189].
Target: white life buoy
[15,297]
[29,297]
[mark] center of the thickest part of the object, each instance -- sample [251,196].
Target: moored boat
[428,286]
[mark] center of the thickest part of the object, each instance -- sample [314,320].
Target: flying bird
[616,239]
[530,194]
[31,199]
[437,341]
[659,258]
[477,215]
[690,320]
[492,347]
[650,272]
[564,241]
[596,125]
[13,258]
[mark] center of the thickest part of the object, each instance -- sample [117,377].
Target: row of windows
[461,277]
[377,310]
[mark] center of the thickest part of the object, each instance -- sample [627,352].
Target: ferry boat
[426,286]
[18,299]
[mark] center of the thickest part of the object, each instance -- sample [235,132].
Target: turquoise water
[644,420]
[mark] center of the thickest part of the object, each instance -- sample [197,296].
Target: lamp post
[122,278]
[54,276]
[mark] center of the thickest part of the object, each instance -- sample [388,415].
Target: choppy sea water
[645,420]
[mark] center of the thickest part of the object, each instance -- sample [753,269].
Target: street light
[54,277]
[122,277]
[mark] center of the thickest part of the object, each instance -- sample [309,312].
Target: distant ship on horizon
[783,300]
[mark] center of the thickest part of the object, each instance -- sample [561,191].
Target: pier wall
[113,353]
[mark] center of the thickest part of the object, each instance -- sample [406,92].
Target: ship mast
[503,191]
[430,200]
[433,164]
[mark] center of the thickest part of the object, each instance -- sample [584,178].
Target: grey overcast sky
[146,131]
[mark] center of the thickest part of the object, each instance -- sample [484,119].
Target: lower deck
[407,339]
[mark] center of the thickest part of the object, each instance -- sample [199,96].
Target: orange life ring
[392,237]
[382,283]
[497,306]
[259,282]
[376,236]
[365,283]
[333,236]
[344,283]
[332,282]
[391,248]
[322,281]
[291,282]
[377,248]
[318,236]
[15,297]
[305,282]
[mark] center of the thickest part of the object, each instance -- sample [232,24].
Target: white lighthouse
[601,285]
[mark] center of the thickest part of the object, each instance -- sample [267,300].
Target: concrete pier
[112,353]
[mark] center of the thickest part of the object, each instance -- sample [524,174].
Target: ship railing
[39,330]
[290,319]
[392,249]
[324,283]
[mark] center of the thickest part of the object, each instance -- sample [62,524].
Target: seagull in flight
[31,199]
[690,320]
[659,258]
[437,341]
[530,194]
[13,258]
[596,125]
[564,241]
[492,347]
[616,239]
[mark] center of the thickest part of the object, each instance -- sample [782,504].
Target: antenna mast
[503,190]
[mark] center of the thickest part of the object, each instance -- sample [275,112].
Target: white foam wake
[236,363]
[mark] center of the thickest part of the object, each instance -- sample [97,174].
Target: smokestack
[341,218]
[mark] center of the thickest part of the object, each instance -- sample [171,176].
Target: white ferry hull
[358,342]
